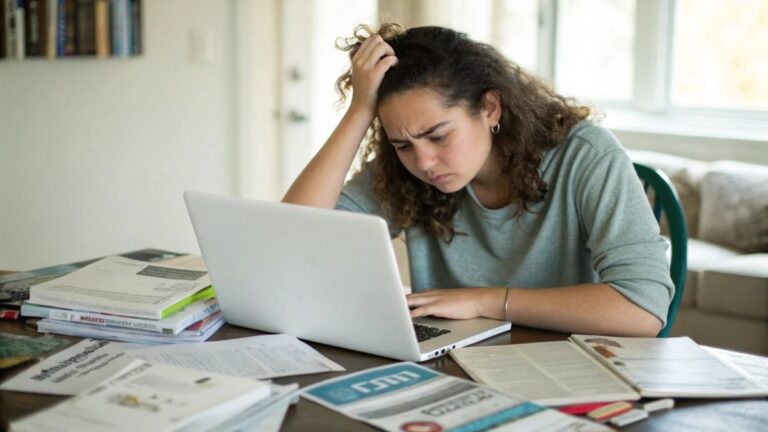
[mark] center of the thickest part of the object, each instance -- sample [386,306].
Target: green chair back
[667,203]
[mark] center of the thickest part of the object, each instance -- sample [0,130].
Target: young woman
[513,204]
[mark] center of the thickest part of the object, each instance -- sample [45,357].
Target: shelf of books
[70,29]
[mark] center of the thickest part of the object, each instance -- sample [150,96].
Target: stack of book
[126,300]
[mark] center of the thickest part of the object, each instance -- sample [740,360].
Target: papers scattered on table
[754,365]
[257,357]
[153,397]
[72,370]
[406,396]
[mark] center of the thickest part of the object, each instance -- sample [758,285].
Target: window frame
[651,102]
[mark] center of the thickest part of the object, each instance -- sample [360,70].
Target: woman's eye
[437,139]
[401,147]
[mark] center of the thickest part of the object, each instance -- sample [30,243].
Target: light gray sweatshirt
[594,226]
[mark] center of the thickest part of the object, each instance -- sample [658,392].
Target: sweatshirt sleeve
[627,250]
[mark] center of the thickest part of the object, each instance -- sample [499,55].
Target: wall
[95,154]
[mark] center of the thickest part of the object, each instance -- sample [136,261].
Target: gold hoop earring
[495,129]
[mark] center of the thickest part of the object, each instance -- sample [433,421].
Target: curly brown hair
[534,118]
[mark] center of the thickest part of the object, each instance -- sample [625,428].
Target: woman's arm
[321,181]
[587,308]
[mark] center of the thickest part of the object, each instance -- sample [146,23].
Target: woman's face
[445,147]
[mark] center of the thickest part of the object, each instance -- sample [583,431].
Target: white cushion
[736,286]
[700,256]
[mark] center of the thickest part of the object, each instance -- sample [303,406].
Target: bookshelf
[64,29]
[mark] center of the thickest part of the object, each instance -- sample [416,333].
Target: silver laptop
[326,276]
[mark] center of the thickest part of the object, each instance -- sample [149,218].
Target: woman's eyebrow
[420,135]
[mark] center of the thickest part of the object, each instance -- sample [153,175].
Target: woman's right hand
[369,64]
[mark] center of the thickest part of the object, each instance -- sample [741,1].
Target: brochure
[410,397]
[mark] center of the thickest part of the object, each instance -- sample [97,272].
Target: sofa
[725,300]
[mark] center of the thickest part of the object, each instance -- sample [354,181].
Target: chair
[665,201]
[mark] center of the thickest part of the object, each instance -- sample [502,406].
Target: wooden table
[688,415]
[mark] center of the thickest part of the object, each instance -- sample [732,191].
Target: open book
[603,368]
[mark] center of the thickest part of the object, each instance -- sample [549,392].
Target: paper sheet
[257,357]
[72,370]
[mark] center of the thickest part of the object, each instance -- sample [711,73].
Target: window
[721,54]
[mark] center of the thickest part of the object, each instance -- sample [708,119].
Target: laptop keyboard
[424,332]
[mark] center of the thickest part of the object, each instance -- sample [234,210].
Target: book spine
[51,24]
[10,27]
[19,36]
[135,27]
[121,39]
[101,24]
[70,27]
[61,28]
[35,27]
[86,27]
[3,46]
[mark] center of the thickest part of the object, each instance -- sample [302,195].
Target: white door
[309,66]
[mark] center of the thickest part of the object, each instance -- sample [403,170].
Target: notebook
[327,276]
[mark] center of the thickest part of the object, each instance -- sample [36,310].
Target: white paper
[546,373]
[754,365]
[670,367]
[257,357]
[72,370]
[149,397]
[265,416]
[121,286]
[406,396]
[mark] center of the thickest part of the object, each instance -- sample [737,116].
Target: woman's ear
[491,109]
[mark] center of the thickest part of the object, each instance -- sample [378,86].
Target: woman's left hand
[457,303]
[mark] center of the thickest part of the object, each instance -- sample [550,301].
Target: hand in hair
[372,60]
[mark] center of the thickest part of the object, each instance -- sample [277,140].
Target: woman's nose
[425,159]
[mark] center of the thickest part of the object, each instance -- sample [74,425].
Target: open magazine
[153,397]
[603,368]
[410,397]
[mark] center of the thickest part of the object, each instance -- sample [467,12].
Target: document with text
[407,396]
[152,397]
[670,367]
[547,373]
[73,369]
[259,357]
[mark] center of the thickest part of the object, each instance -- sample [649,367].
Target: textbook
[197,332]
[152,397]
[14,287]
[173,324]
[123,286]
[605,368]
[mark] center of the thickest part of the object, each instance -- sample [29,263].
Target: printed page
[121,286]
[547,373]
[754,365]
[670,367]
[406,396]
[72,370]
[257,357]
[152,397]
